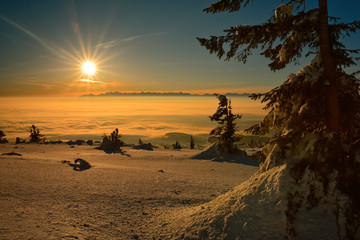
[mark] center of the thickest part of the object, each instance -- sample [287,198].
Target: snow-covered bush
[112,142]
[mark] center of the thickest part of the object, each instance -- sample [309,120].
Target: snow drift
[271,205]
[213,152]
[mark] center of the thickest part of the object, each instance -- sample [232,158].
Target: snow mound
[260,208]
[145,146]
[214,153]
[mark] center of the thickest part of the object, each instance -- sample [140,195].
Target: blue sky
[137,45]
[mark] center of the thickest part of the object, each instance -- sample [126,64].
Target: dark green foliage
[35,136]
[112,142]
[282,38]
[226,5]
[192,144]
[2,139]
[177,145]
[226,129]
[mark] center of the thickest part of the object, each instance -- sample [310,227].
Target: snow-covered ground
[122,196]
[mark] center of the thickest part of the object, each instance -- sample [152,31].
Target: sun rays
[80,58]
[82,61]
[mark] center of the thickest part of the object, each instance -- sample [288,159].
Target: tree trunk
[332,104]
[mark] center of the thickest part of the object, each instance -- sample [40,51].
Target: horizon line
[250,90]
[160,93]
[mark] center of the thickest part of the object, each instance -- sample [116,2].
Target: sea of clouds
[75,118]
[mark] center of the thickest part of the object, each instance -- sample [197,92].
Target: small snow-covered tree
[314,114]
[225,131]
[35,135]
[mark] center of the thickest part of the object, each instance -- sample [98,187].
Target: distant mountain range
[166,94]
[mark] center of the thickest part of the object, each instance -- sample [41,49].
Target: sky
[137,45]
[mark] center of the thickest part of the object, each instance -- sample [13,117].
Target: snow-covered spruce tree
[225,131]
[307,185]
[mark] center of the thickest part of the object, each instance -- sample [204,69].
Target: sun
[89,68]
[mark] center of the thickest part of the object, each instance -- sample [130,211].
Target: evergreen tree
[226,129]
[314,114]
[283,38]
[35,135]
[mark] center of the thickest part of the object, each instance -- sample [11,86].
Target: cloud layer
[74,118]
